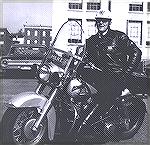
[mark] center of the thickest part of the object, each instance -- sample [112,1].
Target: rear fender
[140,98]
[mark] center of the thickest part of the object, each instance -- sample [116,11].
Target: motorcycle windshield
[69,36]
[70,39]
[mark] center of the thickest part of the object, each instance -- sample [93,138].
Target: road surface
[10,87]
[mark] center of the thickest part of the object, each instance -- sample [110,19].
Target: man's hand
[127,73]
[94,67]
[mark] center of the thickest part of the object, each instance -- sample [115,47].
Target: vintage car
[23,57]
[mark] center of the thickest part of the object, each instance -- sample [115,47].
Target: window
[93,6]
[35,33]
[35,48]
[75,4]
[148,29]
[147,42]
[136,7]
[28,41]
[1,42]
[44,33]
[35,41]
[134,31]
[75,32]
[43,42]
[148,32]
[148,6]
[1,33]
[28,32]
[91,29]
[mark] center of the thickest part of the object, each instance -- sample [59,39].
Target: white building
[129,16]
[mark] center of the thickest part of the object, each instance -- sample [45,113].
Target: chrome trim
[45,109]
[51,116]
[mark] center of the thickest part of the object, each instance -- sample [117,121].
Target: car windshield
[27,51]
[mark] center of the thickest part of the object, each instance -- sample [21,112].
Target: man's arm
[133,52]
[91,54]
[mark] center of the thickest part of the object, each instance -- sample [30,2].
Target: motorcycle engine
[79,92]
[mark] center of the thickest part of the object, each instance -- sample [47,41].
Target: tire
[16,125]
[136,110]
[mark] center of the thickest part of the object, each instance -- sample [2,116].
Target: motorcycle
[63,107]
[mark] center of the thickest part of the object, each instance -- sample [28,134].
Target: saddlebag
[139,83]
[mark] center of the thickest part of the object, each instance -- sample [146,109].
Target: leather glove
[127,73]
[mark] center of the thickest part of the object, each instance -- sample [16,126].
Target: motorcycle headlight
[44,73]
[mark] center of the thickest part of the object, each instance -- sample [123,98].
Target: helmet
[105,14]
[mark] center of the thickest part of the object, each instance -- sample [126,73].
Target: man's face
[102,24]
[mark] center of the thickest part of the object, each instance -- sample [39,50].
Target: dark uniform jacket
[113,51]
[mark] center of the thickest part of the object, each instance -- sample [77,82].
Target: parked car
[23,57]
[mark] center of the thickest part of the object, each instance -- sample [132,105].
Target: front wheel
[17,124]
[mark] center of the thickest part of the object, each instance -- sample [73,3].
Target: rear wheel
[17,124]
[116,126]
[136,110]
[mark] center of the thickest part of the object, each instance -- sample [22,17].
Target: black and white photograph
[74,72]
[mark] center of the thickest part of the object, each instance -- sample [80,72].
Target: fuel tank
[77,88]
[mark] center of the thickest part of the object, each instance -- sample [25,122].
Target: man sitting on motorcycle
[115,54]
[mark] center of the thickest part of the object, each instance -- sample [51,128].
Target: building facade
[37,35]
[129,16]
[18,38]
[5,41]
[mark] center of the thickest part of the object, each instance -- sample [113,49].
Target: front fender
[27,99]
[31,99]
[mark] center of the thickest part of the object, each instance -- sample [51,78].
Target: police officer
[114,53]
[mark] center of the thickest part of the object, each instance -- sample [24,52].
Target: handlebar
[80,59]
[90,64]
[69,54]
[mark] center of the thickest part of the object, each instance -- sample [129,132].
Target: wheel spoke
[31,114]
[22,132]
[17,133]
[19,137]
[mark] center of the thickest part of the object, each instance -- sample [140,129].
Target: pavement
[10,87]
